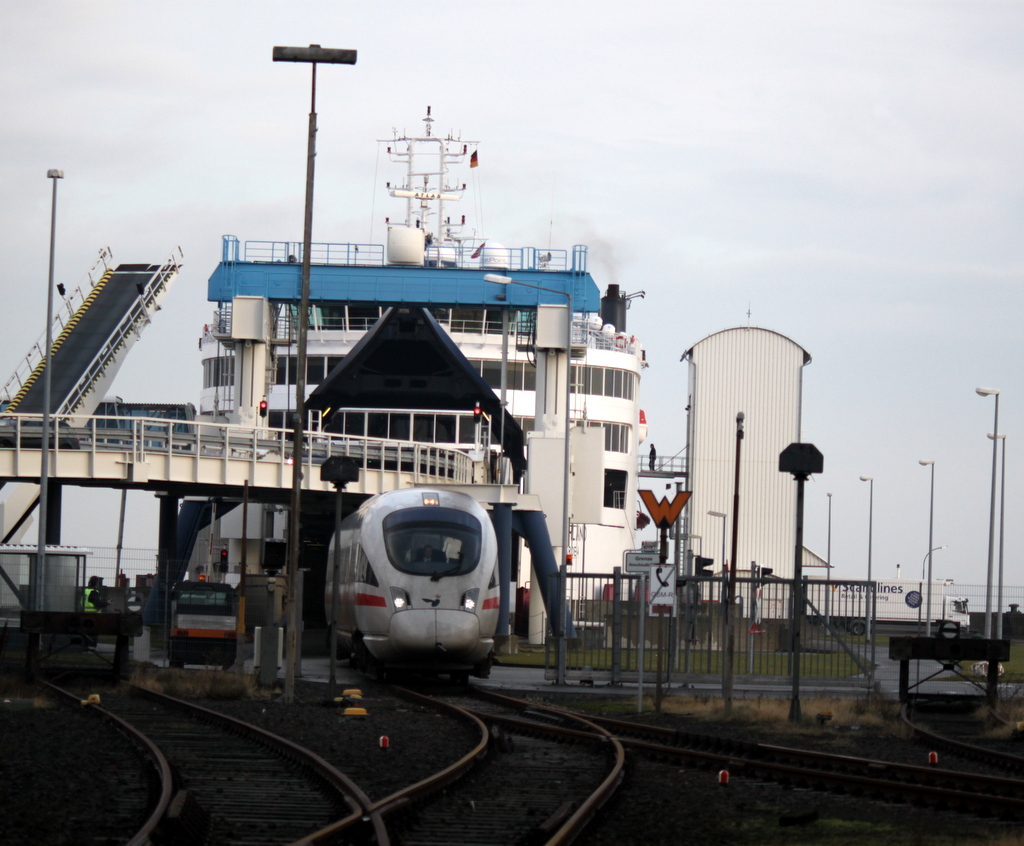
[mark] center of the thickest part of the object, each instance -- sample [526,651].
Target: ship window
[616,437]
[529,376]
[615,488]
[467,429]
[492,373]
[441,315]
[492,324]
[433,541]
[355,423]
[467,320]
[281,375]
[332,317]
[445,433]
[377,425]
[596,381]
[333,361]
[361,318]
[315,369]
[423,428]
[275,419]
[398,428]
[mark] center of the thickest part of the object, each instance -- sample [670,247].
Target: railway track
[984,795]
[958,732]
[542,782]
[222,781]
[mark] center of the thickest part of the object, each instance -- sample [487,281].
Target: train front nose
[434,635]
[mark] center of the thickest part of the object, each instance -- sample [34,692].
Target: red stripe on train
[491,603]
[370,599]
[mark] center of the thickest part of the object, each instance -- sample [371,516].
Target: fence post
[617,626]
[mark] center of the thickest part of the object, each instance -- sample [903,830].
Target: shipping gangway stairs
[92,332]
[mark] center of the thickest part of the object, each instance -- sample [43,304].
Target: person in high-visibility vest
[92,599]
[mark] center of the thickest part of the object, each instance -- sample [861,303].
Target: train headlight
[469,599]
[399,598]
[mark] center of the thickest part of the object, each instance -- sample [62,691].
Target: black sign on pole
[801,460]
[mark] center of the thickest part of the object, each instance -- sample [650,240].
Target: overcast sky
[849,172]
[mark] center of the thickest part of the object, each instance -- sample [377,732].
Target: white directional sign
[640,562]
[662,585]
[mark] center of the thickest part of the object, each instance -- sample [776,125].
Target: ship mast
[426,188]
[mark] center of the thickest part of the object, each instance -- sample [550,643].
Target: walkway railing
[141,438]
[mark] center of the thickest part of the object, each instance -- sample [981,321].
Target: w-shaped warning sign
[663,512]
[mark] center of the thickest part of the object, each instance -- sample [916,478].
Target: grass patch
[204,684]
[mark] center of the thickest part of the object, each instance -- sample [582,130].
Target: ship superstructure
[504,308]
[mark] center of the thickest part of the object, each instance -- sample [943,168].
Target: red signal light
[263,408]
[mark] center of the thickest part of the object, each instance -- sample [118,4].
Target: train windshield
[433,541]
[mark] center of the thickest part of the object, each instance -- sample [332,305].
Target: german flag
[473,160]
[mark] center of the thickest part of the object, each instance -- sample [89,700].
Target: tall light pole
[508,280]
[1002,512]
[991,392]
[38,600]
[871,517]
[314,54]
[828,562]
[931,523]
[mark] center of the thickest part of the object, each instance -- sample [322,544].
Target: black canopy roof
[408,361]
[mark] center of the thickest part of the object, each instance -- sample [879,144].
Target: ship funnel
[613,308]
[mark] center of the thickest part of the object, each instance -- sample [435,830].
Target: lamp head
[715,514]
[497,278]
[54,174]
[867,478]
[992,437]
[924,463]
[986,392]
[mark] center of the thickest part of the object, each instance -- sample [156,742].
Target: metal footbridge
[213,459]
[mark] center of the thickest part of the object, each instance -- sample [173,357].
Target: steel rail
[430,785]
[150,751]
[993,757]
[353,795]
[879,778]
[848,763]
[577,821]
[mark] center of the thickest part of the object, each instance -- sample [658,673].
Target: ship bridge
[445,277]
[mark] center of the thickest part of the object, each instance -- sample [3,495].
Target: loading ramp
[91,342]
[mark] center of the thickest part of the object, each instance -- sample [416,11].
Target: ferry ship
[494,303]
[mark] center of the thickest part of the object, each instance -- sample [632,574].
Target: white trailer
[903,602]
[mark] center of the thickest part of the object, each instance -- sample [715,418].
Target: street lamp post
[931,524]
[1002,512]
[39,582]
[828,563]
[314,54]
[991,392]
[871,516]
[508,280]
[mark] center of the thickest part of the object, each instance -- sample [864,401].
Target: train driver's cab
[433,541]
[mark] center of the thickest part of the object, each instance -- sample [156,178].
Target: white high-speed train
[418,584]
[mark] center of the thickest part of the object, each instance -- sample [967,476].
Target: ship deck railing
[450,255]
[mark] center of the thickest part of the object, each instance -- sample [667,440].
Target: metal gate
[612,636]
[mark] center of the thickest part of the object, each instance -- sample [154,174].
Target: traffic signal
[223,560]
[568,560]
[477,413]
[263,408]
[703,565]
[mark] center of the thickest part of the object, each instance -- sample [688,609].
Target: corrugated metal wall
[758,372]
